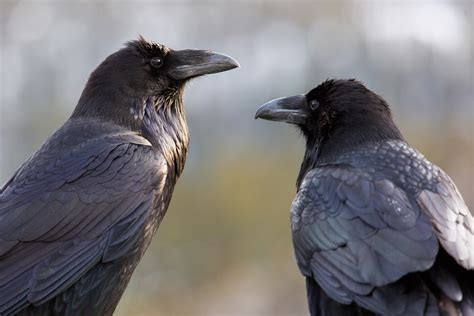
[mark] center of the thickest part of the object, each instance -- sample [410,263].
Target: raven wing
[450,217]
[70,207]
[355,234]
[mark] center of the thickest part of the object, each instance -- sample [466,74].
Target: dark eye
[313,104]
[156,62]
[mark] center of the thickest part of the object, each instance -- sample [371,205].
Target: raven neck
[164,125]
[328,149]
[160,119]
[310,159]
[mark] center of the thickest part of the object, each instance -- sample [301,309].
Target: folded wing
[355,234]
[70,207]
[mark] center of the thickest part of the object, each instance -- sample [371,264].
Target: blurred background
[224,247]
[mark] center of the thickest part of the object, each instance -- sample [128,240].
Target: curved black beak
[289,109]
[190,63]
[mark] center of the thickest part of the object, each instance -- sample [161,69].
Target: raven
[376,227]
[78,215]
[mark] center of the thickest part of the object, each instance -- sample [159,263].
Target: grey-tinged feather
[453,223]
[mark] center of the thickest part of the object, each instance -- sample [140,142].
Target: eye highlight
[313,104]
[156,62]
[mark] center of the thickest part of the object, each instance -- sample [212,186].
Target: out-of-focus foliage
[224,247]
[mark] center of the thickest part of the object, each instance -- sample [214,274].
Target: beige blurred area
[224,247]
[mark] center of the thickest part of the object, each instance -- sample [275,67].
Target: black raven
[77,216]
[377,228]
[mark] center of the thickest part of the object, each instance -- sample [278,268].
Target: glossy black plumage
[377,228]
[78,215]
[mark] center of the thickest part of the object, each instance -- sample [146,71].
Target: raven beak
[192,63]
[288,109]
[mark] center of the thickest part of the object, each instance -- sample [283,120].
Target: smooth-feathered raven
[377,228]
[77,216]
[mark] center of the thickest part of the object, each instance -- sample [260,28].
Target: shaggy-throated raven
[77,216]
[377,228]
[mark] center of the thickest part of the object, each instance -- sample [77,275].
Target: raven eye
[156,62]
[313,105]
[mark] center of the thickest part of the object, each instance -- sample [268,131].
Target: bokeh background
[224,247]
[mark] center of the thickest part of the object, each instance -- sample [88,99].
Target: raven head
[333,108]
[145,70]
